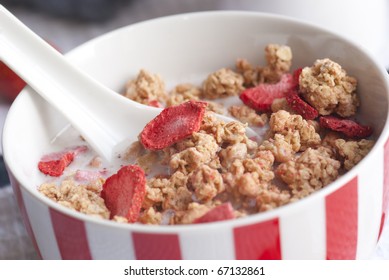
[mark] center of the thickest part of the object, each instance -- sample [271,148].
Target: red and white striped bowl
[341,221]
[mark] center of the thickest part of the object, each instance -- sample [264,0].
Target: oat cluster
[84,198]
[328,88]
[278,59]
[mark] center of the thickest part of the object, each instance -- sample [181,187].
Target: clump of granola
[280,147]
[206,182]
[296,131]
[84,198]
[151,217]
[272,198]
[249,72]
[311,171]
[353,152]
[328,88]
[279,61]
[202,149]
[146,88]
[187,92]
[232,152]
[250,176]
[167,193]
[183,93]
[222,83]
[247,115]
[195,211]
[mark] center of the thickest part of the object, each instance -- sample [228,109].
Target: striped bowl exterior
[340,224]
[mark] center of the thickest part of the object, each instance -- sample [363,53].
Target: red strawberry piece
[219,213]
[124,192]
[300,106]
[296,77]
[54,164]
[172,125]
[262,96]
[349,128]
[10,83]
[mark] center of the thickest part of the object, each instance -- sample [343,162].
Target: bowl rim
[234,223]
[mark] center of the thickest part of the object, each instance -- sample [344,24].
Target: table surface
[67,34]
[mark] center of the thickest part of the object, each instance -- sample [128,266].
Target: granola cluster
[279,61]
[310,171]
[328,88]
[247,115]
[299,133]
[218,168]
[222,83]
[352,152]
[147,88]
[84,198]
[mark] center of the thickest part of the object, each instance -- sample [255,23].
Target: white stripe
[370,188]
[303,232]
[213,244]
[40,221]
[109,242]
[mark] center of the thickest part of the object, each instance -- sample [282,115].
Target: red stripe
[258,242]
[19,198]
[150,246]
[342,222]
[71,236]
[381,225]
[385,195]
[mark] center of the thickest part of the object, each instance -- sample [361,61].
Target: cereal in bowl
[188,166]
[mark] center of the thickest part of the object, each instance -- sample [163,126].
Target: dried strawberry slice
[124,192]
[219,213]
[349,128]
[54,164]
[172,125]
[262,96]
[296,77]
[300,106]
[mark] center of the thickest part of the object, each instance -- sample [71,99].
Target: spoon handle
[91,108]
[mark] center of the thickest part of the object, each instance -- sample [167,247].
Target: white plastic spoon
[103,117]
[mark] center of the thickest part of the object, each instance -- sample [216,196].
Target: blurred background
[69,23]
